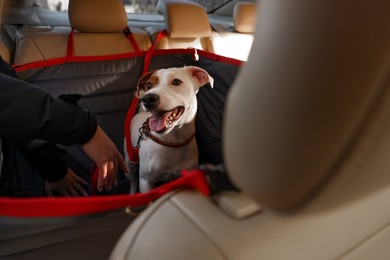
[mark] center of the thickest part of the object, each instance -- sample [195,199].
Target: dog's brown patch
[142,82]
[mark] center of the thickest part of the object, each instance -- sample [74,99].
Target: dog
[164,129]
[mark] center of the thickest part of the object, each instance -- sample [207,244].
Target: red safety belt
[133,153]
[133,42]
[70,48]
[65,206]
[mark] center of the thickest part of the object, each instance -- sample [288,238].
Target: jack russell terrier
[163,131]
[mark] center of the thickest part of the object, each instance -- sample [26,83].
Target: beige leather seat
[187,26]
[39,43]
[98,27]
[236,43]
[307,136]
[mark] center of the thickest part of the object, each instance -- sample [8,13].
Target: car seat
[187,26]
[306,136]
[236,42]
[98,30]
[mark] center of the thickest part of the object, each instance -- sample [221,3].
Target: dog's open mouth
[161,120]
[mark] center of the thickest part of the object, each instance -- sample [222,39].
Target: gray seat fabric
[306,135]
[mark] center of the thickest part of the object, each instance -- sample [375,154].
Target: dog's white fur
[175,88]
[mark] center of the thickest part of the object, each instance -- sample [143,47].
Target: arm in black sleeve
[47,157]
[28,112]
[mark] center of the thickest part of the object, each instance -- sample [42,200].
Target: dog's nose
[150,100]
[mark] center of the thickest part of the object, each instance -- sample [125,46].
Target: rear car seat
[97,32]
[236,42]
[101,32]
[38,43]
[187,26]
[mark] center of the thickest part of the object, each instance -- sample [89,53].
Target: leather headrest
[184,19]
[244,17]
[93,16]
[161,5]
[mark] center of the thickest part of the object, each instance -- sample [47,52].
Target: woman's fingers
[107,159]
[102,177]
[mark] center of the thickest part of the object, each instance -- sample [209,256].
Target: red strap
[64,206]
[130,113]
[149,53]
[133,42]
[70,48]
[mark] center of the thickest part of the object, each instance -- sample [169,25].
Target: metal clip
[141,133]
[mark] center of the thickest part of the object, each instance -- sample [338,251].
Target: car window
[131,6]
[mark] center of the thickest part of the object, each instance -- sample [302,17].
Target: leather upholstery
[186,20]
[32,45]
[244,16]
[306,135]
[237,42]
[318,101]
[187,25]
[98,32]
[101,16]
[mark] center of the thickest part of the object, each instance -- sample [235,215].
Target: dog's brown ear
[141,87]
[201,75]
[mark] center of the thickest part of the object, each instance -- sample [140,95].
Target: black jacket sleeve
[47,157]
[28,112]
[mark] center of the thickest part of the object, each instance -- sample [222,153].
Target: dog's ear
[200,75]
[141,87]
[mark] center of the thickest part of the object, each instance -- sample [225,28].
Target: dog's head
[170,95]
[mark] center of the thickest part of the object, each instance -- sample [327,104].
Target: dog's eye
[176,82]
[148,85]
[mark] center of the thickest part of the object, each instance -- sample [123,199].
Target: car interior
[305,135]
[42,35]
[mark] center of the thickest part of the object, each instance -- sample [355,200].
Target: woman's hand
[71,185]
[106,157]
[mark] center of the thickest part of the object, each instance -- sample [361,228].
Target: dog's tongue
[158,122]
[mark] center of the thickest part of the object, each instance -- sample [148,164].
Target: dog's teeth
[169,121]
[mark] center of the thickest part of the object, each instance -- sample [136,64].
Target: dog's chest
[158,159]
